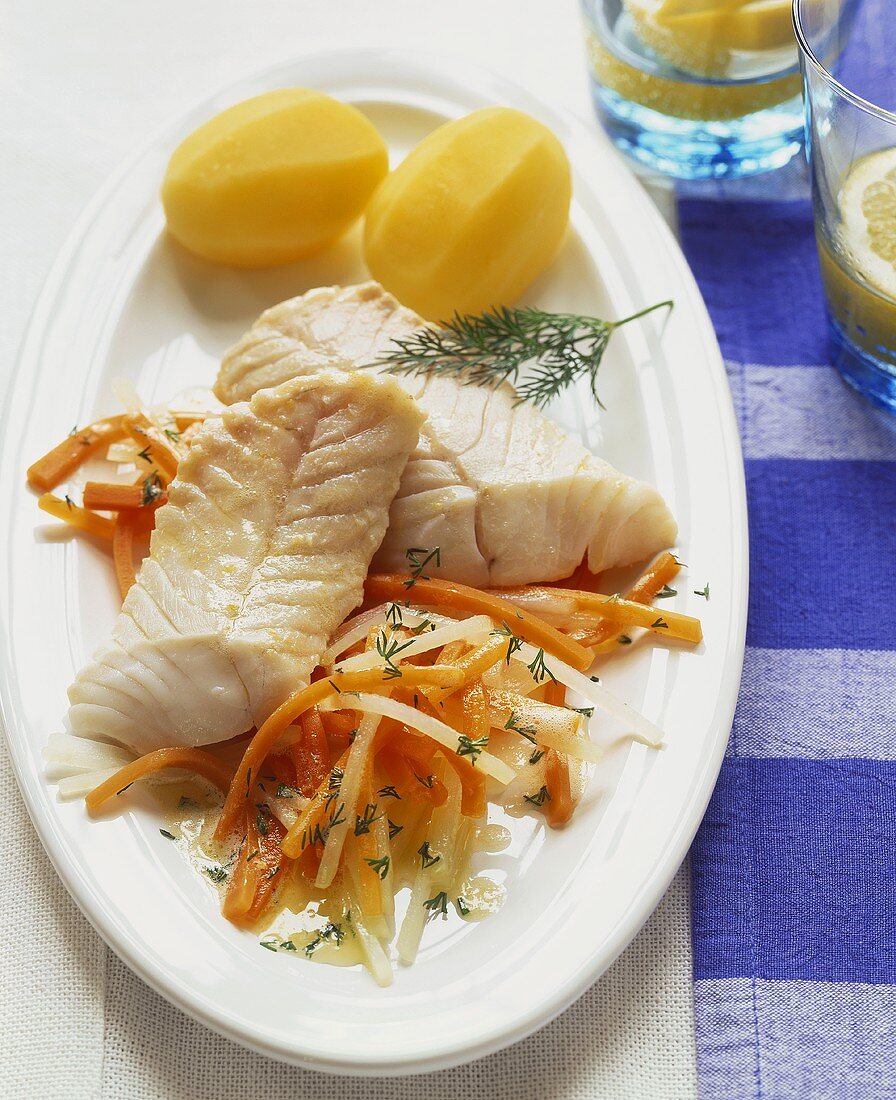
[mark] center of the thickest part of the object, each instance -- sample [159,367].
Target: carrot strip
[436,593]
[298,840]
[472,665]
[61,462]
[408,781]
[282,768]
[295,706]
[582,578]
[159,449]
[652,580]
[102,496]
[558,809]
[259,869]
[70,513]
[476,725]
[194,760]
[555,693]
[614,609]
[311,754]
[123,555]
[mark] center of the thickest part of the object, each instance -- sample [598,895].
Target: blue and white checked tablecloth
[794,867]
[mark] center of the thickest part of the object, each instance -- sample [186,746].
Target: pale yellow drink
[728,45]
[858,262]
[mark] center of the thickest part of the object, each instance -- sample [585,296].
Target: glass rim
[809,55]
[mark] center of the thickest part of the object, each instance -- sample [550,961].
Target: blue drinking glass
[697,89]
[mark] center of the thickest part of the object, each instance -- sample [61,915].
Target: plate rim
[444,67]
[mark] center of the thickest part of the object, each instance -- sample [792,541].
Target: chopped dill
[514,642]
[471,748]
[539,798]
[514,723]
[365,820]
[418,558]
[379,866]
[437,904]
[427,858]
[540,670]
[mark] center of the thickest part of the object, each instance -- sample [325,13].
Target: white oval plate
[121,300]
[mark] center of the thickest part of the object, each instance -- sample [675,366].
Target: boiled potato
[474,213]
[272,179]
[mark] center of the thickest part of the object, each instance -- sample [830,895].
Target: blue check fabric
[794,867]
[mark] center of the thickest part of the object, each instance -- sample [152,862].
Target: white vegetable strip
[597,694]
[377,960]
[349,789]
[77,786]
[412,926]
[555,727]
[356,629]
[442,840]
[64,754]
[425,723]
[474,630]
[287,811]
[387,883]
[446,821]
[352,631]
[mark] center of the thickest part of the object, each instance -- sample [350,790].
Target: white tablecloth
[80,85]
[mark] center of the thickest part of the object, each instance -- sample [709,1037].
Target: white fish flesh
[503,491]
[259,554]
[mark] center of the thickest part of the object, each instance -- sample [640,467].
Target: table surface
[80,86]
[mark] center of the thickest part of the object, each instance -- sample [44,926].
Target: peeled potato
[273,179]
[473,214]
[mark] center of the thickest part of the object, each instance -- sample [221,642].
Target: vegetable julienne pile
[432,702]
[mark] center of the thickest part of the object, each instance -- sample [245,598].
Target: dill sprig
[489,348]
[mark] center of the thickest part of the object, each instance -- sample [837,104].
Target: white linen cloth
[80,86]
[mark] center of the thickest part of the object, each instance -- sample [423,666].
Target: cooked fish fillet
[259,554]
[504,492]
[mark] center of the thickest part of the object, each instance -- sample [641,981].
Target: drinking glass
[851,144]
[697,89]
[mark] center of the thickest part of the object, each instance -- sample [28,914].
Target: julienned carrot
[582,579]
[436,593]
[194,760]
[311,754]
[102,496]
[295,706]
[404,772]
[300,837]
[72,514]
[619,611]
[476,726]
[60,463]
[260,868]
[161,450]
[558,809]
[652,580]
[123,554]
[472,664]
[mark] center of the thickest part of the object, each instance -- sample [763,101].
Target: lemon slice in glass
[868,219]
[859,269]
[700,36]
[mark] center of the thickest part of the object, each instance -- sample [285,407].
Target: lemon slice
[868,219]
[680,99]
[699,36]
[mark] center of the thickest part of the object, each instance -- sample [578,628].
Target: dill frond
[489,348]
